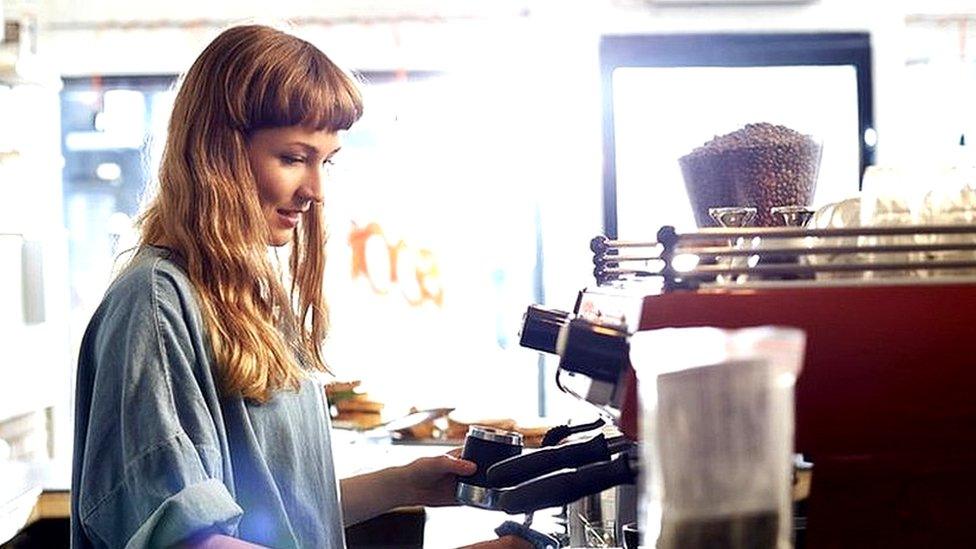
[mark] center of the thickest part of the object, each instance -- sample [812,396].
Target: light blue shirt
[160,454]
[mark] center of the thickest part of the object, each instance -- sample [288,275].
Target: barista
[198,420]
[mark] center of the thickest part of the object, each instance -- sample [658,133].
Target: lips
[289,217]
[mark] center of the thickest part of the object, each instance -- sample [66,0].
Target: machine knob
[540,328]
[594,350]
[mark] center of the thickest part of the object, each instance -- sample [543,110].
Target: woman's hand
[429,481]
[432,481]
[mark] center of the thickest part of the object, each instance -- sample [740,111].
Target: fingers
[441,465]
[457,466]
[456,455]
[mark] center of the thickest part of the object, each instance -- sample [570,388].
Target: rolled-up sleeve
[165,501]
[153,468]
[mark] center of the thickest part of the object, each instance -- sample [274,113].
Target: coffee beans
[760,166]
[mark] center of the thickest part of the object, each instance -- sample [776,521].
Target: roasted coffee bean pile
[761,166]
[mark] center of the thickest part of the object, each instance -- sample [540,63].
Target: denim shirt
[160,454]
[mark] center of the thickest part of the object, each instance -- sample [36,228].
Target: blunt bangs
[304,89]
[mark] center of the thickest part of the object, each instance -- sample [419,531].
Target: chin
[280,240]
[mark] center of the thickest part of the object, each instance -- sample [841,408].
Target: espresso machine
[591,470]
[594,348]
[883,406]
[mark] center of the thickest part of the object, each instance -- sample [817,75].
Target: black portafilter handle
[595,350]
[556,435]
[518,469]
[563,488]
[540,328]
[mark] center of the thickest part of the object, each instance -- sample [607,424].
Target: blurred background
[470,188]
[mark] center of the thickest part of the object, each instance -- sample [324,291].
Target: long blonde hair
[207,209]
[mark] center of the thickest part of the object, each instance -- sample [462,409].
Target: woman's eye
[328,162]
[290,160]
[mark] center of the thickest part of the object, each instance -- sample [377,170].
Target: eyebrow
[312,148]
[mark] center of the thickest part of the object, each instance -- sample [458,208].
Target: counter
[445,526]
[33,492]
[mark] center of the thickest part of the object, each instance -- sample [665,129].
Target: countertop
[446,526]
[30,492]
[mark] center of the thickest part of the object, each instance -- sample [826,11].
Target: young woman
[198,419]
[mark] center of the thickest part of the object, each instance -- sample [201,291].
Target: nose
[311,188]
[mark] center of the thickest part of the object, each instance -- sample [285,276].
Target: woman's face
[288,165]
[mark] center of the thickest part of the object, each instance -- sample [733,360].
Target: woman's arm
[369,495]
[427,481]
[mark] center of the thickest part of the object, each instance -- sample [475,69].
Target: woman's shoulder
[149,266]
[150,301]
[151,275]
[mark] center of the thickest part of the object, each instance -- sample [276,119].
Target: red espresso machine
[886,401]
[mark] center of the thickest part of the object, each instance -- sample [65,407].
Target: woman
[198,422]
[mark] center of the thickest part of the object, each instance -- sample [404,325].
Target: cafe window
[112,129]
[433,247]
